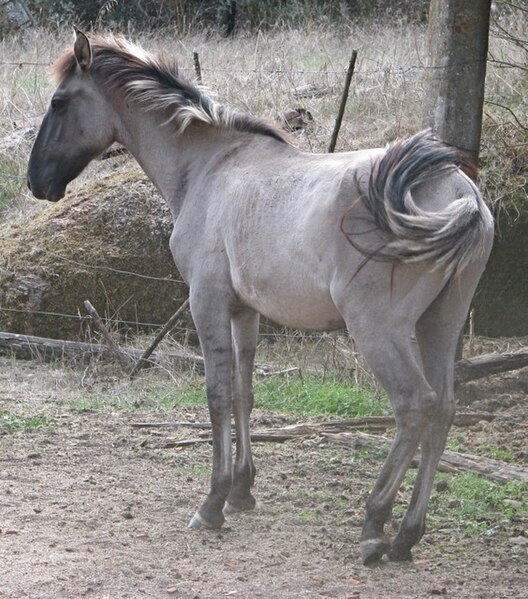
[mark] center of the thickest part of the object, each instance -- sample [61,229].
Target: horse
[387,242]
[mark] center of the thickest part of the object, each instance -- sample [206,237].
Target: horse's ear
[82,49]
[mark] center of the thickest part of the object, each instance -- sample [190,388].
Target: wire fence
[384,71]
[179,330]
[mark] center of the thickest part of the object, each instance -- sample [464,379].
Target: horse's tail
[449,238]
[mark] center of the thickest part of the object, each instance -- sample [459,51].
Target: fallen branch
[29,347]
[291,431]
[451,461]
[177,424]
[488,364]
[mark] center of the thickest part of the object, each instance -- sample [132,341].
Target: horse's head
[76,128]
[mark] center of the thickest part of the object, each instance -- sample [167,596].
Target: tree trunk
[458,37]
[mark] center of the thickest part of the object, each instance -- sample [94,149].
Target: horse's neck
[168,159]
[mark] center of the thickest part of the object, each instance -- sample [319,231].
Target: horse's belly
[297,309]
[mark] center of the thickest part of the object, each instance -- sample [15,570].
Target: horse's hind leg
[244,327]
[386,342]
[437,332]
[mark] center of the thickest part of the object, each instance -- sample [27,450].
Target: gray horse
[388,242]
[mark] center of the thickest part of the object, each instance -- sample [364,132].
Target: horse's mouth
[51,193]
[54,194]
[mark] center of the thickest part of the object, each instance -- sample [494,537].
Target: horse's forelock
[63,67]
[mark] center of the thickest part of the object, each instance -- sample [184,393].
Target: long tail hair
[449,238]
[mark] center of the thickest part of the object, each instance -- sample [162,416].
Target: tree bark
[458,37]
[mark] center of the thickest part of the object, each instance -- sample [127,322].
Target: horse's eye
[58,104]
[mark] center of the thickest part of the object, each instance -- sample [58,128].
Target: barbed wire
[279,71]
[114,270]
[154,325]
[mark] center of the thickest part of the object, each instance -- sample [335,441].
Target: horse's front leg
[214,330]
[244,327]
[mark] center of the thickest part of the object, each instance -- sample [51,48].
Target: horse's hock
[108,242]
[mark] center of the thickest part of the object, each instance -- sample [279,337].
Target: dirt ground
[90,508]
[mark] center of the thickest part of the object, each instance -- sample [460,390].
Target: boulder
[107,242]
[501,300]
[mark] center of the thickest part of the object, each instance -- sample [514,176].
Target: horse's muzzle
[52,193]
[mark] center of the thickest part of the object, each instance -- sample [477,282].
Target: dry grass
[258,73]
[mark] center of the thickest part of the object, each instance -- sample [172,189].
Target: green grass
[307,395]
[473,504]
[311,396]
[470,504]
[12,422]
[11,181]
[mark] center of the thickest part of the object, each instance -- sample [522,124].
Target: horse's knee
[416,410]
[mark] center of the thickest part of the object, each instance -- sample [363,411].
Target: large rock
[107,242]
[501,301]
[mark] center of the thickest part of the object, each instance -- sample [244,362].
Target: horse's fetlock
[377,513]
[411,531]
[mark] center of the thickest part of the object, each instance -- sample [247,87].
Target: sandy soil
[90,508]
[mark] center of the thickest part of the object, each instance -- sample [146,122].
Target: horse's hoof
[372,550]
[400,554]
[229,508]
[198,522]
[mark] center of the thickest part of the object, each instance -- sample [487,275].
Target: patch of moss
[108,243]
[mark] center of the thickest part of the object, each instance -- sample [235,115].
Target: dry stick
[451,461]
[328,426]
[114,348]
[344,99]
[197,67]
[169,325]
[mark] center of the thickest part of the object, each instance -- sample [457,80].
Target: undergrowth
[11,422]
[468,504]
[12,181]
[307,395]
